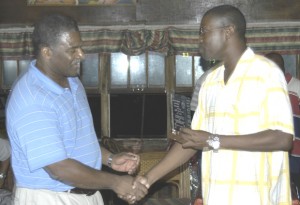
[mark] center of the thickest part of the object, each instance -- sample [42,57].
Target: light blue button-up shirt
[47,123]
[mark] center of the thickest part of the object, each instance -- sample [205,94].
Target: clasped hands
[137,191]
[129,188]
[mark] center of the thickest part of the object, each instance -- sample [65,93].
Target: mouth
[76,66]
[76,63]
[201,50]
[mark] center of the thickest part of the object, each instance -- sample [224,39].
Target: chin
[204,56]
[75,74]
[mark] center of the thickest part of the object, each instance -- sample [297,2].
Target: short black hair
[276,58]
[230,15]
[48,30]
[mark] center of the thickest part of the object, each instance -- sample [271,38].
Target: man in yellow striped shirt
[243,121]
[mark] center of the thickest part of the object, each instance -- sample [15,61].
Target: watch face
[216,144]
[2,176]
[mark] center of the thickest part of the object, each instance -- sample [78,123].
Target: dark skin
[79,175]
[3,169]
[219,41]
[59,62]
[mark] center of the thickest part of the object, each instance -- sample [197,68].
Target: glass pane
[146,120]
[198,67]
[183,71]
[119,68]
[155,117]
[122,108]
[23,65]
[89,72]
[95,105]
[290,64]
[10,72]
[156,66]
[137,71]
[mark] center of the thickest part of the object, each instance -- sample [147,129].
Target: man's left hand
[125,162]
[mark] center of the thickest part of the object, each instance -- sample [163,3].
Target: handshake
[136,192]
[127,187]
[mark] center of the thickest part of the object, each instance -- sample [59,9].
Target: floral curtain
[170,40]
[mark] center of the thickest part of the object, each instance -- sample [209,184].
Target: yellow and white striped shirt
[254,99]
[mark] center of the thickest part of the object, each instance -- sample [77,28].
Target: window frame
[104,90]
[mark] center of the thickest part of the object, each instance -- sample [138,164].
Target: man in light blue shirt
[56,157]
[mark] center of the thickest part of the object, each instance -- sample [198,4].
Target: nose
[80,53]
[200,38]
[200,44]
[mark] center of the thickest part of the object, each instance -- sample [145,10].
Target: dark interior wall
[150,12]
[17,12]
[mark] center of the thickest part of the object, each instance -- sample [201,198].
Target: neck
[60,80]
[231,60]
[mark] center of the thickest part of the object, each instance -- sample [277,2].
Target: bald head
[276,58]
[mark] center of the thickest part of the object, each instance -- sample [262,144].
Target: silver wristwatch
[2,176]
[109,160]
[214,142]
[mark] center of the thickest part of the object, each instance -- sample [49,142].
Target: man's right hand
[130,190]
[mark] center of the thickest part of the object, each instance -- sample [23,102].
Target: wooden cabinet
[178,180]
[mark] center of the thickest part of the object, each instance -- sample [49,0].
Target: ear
[229,31]
[46,52]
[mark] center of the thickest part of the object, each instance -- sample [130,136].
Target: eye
[202,31]
[72,50]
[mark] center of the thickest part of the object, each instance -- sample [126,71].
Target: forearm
[175,157]
[270,140]
[4,166]
[3,170]
[76,174]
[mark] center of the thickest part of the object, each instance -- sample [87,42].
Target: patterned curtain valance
[282,40]
[126,41]
[15,45]
[171,40]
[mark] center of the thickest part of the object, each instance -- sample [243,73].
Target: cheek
[63,58]
[209,52]
[213,45]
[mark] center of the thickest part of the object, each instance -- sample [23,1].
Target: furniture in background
[174,188]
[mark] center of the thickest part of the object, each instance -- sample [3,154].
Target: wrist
[213,142]
[150,180]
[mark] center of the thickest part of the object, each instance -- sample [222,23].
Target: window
[11,70]
[129,95]
[138,115]
[290,64]
[188,70]
[137,72]
[95,105]
[89,71]
[140,109]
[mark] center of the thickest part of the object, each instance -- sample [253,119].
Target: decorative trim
[16,43]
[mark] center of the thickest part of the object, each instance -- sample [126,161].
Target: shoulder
[261,66]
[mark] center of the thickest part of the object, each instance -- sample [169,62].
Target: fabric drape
[170,40]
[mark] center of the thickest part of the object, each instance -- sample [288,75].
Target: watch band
[109,160]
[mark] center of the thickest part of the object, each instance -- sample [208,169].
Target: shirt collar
[248,54]
[48,82]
